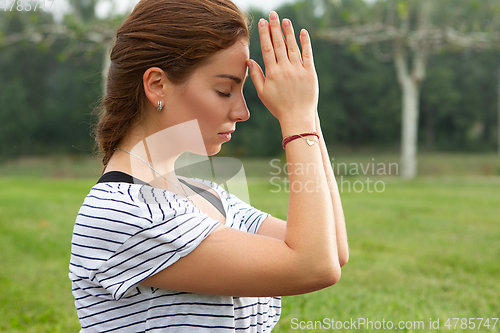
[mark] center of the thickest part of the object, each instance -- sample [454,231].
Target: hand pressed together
[289,88]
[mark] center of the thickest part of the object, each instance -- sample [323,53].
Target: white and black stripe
[125,233]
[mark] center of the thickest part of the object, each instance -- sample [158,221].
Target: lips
[226,136]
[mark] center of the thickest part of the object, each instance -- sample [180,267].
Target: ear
[156,85]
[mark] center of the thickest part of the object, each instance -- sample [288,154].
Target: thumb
[257,75]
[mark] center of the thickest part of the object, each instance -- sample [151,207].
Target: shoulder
[143,204]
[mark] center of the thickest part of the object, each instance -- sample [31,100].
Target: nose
[240,112]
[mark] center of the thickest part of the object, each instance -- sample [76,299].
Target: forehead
[231,60]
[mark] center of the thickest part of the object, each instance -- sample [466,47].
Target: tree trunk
[409,132]
[106,63]
[410,87]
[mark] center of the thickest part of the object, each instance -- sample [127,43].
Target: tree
[47,71]
[413,30]
[83,30]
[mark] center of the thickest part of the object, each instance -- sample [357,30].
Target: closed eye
[224,94]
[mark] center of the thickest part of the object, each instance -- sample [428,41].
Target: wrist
[306,136]
[296,127]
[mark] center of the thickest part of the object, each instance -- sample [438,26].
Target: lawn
[421,249]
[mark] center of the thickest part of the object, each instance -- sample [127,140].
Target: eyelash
[224,94]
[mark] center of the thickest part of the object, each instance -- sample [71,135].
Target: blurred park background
[412,83]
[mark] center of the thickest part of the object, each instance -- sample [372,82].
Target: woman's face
[213,95]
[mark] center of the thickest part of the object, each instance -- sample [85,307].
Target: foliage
[460,102]
[48,90]
[46,94]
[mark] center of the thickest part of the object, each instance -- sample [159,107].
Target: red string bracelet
[290,138]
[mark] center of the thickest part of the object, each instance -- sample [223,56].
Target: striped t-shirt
[125,233]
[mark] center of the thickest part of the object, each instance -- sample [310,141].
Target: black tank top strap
[210,197]
[122,177]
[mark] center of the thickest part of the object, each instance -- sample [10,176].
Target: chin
[214,151]
[207,151]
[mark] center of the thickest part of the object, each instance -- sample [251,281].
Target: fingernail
[304,32]
[287,23]
[273,16]
[249,64]
[262,23]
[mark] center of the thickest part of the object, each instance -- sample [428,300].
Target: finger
[292,46]
[307,54]
[257,75]
[266,44]
[278,39]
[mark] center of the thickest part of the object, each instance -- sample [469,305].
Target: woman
[152,251]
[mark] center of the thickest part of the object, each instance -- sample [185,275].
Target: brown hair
[174,35]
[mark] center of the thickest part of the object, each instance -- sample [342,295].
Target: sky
[59,7]
[265,5]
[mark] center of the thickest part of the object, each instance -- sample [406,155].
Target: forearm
[340,227]
[310,222]
[290,92]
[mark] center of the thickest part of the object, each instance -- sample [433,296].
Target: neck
[153,171]
[151,156]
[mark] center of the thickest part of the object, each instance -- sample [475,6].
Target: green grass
[429,164]
[419,250]
[422,249]
[36,221]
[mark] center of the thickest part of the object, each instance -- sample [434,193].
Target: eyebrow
[232,77]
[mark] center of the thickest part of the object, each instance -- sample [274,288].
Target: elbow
[332,276]
[328,269]
[326,276]
[318,272]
